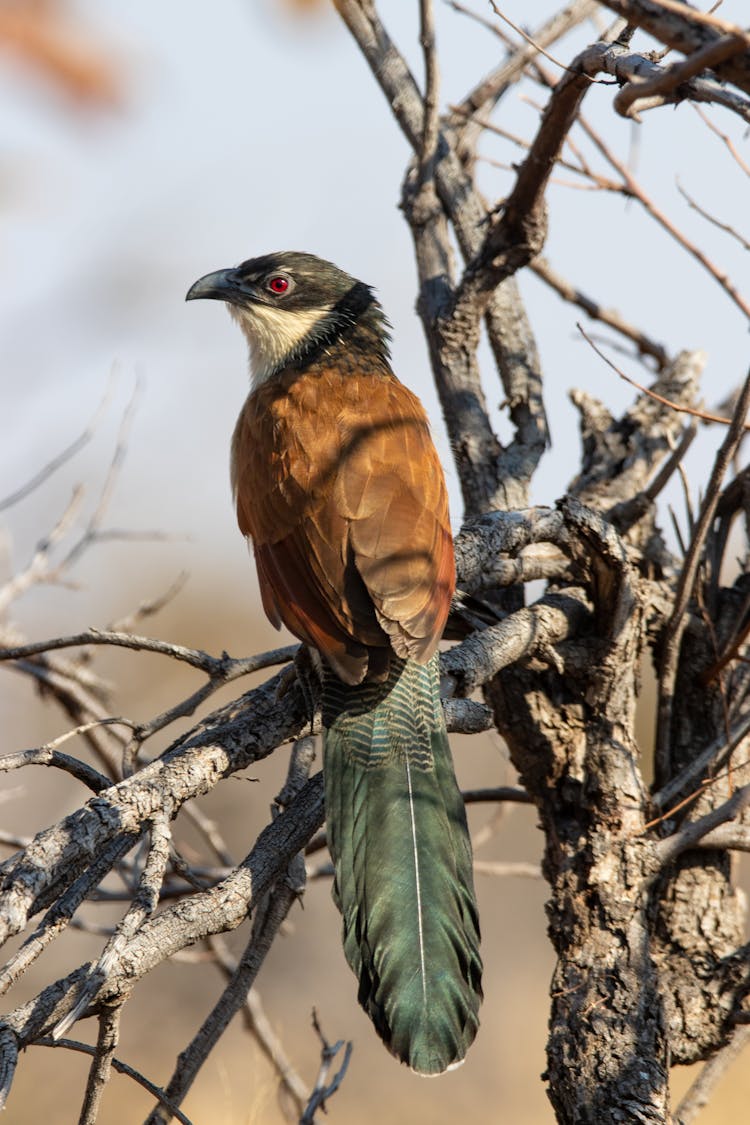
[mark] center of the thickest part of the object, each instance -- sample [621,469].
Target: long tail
[404,886]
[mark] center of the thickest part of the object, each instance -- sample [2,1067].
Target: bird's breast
[301,431]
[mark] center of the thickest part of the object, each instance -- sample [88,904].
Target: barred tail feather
[403,867]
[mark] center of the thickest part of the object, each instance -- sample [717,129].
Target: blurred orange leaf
[305,6]
[40,36]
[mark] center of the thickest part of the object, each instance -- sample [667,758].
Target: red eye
[278,284]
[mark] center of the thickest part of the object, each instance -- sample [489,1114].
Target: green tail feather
[398,836]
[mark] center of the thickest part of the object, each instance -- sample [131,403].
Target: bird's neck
[351,333]
[360,344]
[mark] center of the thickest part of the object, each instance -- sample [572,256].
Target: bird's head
[290,304]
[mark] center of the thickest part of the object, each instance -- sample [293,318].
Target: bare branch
[270,913]
[744,243]
[466,716]
[323,1088]
[481,541]
[631,911]
[211,664]
[269,917]
[730,836]
[676,624]
[121,1068]
[687,30]
[645,92]
[261,1029]
[504,870]
[142,907]
[701,1090]
[704,415]
[101,1065]
[537,47]
[707,19]
[509,793]
[219,908]
[726,139]
[61,458]
[687,837]
[514,238]
[646,346]
[40,568]
[428,148]
[189,769]
[49,756]
[491,89]
[529,631]
[60,913]
[634,189]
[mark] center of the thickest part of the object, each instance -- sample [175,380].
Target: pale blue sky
[242,131]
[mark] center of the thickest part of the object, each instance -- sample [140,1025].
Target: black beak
[223,285]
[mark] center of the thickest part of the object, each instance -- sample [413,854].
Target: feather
[398,835]
[338,484]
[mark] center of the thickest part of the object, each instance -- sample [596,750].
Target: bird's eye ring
[278,284]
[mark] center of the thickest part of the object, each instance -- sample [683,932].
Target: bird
[338,485]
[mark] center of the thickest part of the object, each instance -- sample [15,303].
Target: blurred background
[143,146]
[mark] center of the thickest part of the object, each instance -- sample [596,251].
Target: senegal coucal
[339,487]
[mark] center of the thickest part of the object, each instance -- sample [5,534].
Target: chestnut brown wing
[339,486]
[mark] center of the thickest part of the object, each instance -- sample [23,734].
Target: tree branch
[686,30]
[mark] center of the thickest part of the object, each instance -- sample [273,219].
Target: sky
[241,130]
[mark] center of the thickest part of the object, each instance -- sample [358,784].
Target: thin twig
[121,1068]
[505,869]
[39,569]
[634,189]
[323,1088]
[725,138]
[142,907]
[270,913]
[702,1089]
[60,913]
[262,1031]
[704,415]
[209,830]
[195,657]
[61,458]
[430,132]
[93,528]
[525,36]
[627,99]
[101,1064]
[712,218]
[512,793]
[152,606]
[668,849]
[489,91]
[233,997]
[676,625]
[611,317]
[710,758]
[72,688]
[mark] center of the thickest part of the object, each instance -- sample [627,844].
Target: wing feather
[339,486]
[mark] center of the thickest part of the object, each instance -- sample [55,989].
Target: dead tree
[645,920]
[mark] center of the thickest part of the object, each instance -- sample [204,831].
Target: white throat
[273,335]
